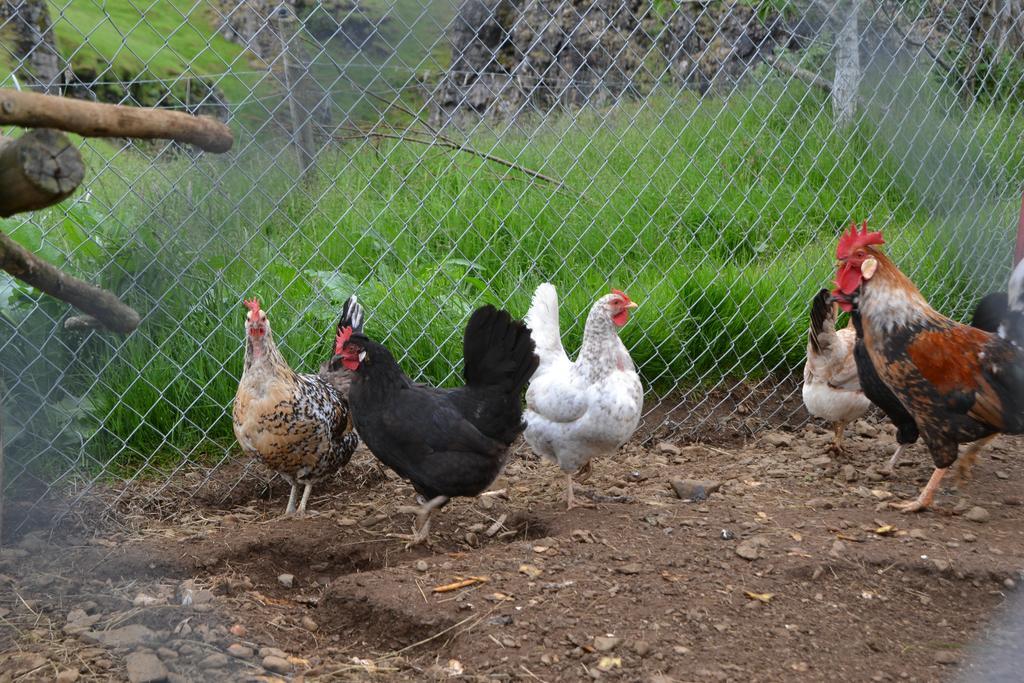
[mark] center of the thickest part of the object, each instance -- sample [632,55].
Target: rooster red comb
[619,292]
[253,305]
[852,240]
[344,334]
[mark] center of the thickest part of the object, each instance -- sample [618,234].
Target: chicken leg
[890,466]
[305,498]
[421,525]
[292,497]
[966,462]
[927,494]
[837,442]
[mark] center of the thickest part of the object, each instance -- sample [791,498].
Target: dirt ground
[792,569]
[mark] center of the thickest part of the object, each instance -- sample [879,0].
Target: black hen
[447,442]
[991,311]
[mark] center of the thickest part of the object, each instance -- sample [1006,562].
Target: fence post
[301,137]
[847,78]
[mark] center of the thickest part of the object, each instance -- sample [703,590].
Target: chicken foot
[294,496]
[570,499]
[421,525]
[927,494]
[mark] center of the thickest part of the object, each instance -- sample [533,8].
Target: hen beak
[632,304]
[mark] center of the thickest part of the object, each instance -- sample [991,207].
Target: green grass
[148,39]
[720,218]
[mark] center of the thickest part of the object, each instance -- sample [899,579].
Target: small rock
[238,630]
[821,461]
[866,430]
[1013,501]
[978,514]
[215,661]
[422,566]
[838,547]
[309,624]
[273,652]
[240,651]
[941,565]
[145,667]
[641,648]
[747,550]
[606,643]
[67,676]
[1009,583]
[848,473]
[486,502]
[126,636]
[668,448]
[823,503]
[968,537]
[919,534]
[693,489]
[946,657]
[286,580]
[629,569]
[778,439]
[278,665]
[1002,475]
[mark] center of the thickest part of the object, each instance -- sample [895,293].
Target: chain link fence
[432,155]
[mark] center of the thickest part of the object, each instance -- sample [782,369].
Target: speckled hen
[576,410]
[299,425]
[831,389]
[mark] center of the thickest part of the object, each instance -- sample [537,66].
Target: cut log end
[39,169]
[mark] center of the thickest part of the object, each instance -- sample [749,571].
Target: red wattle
[350,363]
[848,279]
[621,317]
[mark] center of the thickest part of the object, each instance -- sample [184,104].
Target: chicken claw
[571,501]
[927,494]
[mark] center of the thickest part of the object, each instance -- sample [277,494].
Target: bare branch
[804,75]
[442,141]
[92,119]
[97,302]
[39,169]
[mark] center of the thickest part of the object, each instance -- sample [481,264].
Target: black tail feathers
[498,350]
[351,315]
[821,314]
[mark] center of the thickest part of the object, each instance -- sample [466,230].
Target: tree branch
[804,75]
[91,119]
[37,170]
[442,141]
[97,302]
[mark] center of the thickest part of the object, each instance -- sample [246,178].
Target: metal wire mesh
[432,155]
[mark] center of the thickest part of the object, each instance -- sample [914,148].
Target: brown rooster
[298,425]
[959,383]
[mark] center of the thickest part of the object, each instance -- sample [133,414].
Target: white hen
[576,410]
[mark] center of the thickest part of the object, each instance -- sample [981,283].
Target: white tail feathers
[542,319]
[1015,291]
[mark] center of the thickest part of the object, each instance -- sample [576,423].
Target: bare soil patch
[792,569]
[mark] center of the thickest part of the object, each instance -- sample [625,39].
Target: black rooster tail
[498,351]
[821,315]
[351,315]
[990,312]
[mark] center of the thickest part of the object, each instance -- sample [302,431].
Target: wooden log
[99,303]
[37,170]
[92,119]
